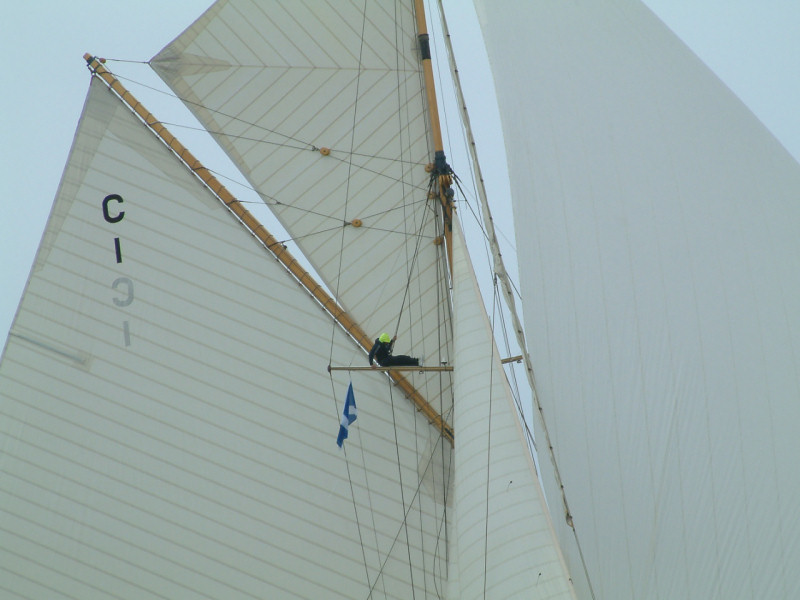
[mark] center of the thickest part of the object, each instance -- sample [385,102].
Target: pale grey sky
[752,45]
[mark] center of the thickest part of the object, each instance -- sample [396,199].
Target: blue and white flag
[349,415]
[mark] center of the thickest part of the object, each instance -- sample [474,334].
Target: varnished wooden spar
[397,368]
[441,168]
[413,368]
[270,243]
[511,359]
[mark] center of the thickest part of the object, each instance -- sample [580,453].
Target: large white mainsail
[163,435]
[656,223]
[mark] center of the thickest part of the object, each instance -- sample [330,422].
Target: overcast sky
[752,45]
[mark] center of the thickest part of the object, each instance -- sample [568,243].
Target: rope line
[402,489]
[344,225]
[400,529]
[338,279]
[304,144]
[444,334]
[403,141]
[307,146]
[372,518]
[482,227]
[350,481]
[122,60]
[411,266]
[489,452]
[349,167]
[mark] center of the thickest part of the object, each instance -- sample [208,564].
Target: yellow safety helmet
[385,338]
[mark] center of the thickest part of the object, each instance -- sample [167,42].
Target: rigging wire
[445,316]
[402,488]
[122,60]
[530,440]
[401,527]
[313,233]
[394,421]
[412,265]
[305,145]
[352,491]
[372,517]
[529,437]
[406,179]
[349,168]
[443,304]
[338,277]
[482,226]
[504,328]
[489,451]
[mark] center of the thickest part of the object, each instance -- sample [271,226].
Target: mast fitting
[424,46]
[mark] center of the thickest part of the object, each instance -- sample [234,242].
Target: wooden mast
[267,239]
[441,170]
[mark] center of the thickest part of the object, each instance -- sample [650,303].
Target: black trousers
[400,360]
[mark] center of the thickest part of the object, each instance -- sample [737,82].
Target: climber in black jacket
[382,353]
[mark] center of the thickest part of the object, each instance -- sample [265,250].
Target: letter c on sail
[118,217]
[119,281]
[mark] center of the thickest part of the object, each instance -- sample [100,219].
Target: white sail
[276,83]
[506,545]
[169,429]
[656,223]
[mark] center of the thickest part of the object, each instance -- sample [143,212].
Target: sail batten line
[266,238]
[139,490]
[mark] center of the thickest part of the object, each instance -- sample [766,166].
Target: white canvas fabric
[655,220]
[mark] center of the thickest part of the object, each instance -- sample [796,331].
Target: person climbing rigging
[382,353]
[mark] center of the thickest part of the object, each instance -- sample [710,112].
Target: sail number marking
[121,285]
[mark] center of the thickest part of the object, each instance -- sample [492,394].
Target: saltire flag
[349,415]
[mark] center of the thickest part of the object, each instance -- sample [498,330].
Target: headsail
[658,253]
[506,544]
[163,435]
